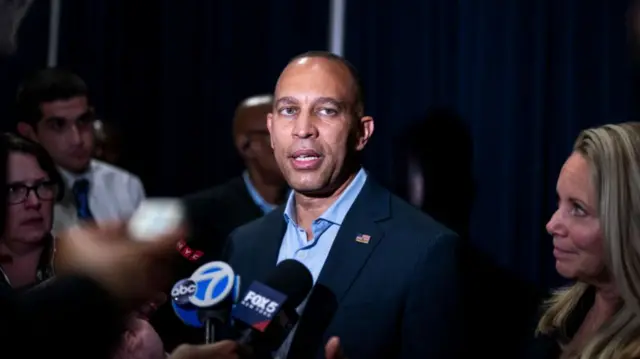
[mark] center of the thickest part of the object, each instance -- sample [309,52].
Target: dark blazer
[394,297]
[214,213]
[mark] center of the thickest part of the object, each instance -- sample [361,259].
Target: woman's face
[575,226]
[30,200]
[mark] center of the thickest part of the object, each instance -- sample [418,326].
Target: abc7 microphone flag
[211,284]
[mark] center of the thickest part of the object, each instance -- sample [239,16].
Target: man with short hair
[386,276]
[53,109]
[259,190]
[215,212]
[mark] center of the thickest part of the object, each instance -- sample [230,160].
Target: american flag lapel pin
[363,238]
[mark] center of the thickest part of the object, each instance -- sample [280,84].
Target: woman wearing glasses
[27,246]
[33,184]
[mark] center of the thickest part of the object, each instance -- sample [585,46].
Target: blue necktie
[81,194]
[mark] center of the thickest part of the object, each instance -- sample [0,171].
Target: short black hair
[353,72]
[46,85]
[15,143]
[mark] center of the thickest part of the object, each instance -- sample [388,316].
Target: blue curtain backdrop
[524,76]
[170,73]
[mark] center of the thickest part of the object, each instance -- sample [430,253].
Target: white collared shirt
[114,194]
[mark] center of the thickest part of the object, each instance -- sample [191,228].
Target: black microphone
[268,308]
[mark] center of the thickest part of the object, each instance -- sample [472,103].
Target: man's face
[255,136]
[66,132]
[313,126]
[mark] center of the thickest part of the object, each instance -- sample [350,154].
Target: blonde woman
[596,239]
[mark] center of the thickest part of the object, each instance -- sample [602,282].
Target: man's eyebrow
[286,100]
[86,115]
[331,101]
[54,119]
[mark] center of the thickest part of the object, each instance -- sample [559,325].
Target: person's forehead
[24,167]
[575,179]
[309,78]
[253,117]
[75,105]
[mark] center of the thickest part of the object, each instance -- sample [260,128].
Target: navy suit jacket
[397,296]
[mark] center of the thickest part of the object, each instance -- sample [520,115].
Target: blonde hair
[613,153]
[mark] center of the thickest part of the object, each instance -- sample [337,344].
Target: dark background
[523,76]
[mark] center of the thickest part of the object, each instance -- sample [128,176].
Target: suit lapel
[357,238]
[265,253]
[343,265]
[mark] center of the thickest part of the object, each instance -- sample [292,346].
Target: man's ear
[270,128]
[27,130]
[242,145]
[365,131]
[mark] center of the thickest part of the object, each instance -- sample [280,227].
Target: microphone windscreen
[156,217]
[292,279]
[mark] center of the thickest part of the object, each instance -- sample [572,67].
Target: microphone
[155,217]
[269,308]
[181,305]
[205,299]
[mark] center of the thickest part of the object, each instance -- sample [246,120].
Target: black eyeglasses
[18,193]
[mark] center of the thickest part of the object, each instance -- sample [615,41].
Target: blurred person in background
[32,323]
[33,185]
[54,110]
[435,168]
[259,189]
[101,271]
[595,231]
[215,212]
[27,246]
[434,172]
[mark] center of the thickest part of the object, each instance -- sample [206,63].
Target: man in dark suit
[214,213]
[386,275]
